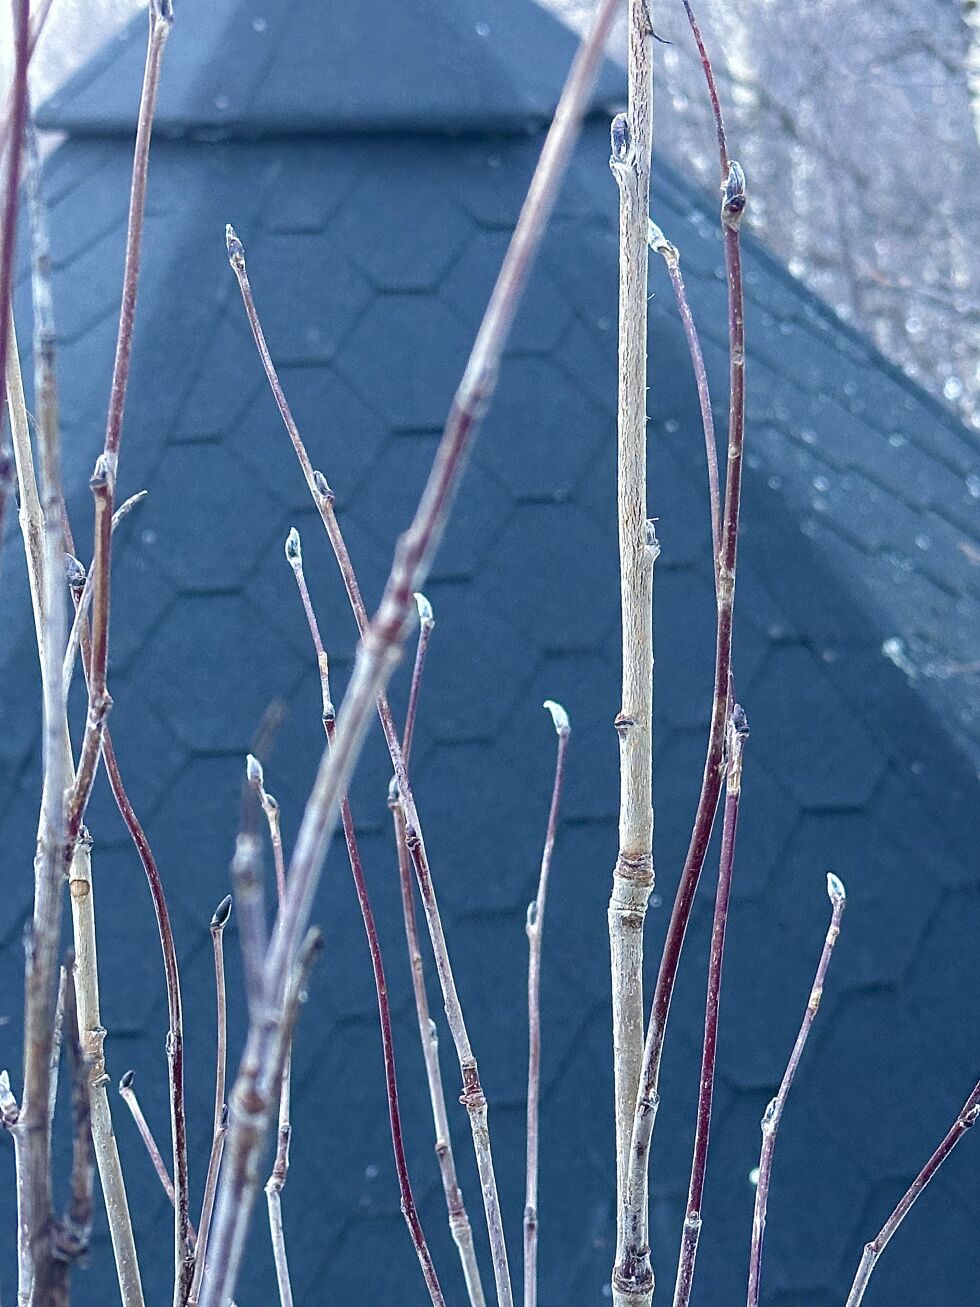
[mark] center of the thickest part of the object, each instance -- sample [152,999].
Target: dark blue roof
[371,255]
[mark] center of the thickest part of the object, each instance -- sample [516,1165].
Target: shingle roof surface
[371,256]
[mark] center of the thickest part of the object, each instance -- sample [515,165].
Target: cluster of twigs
[278,957]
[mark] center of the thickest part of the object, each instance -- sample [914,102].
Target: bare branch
[633,875]
[375,661]
[967,1118]
[774,1112]
[534,927]
[738,732]
[128,1094]
[294,554]
[633,1275]
[218,922]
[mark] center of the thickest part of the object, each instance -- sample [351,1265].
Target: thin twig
[79,878]
[459,1221]
[659,243]
[968,1116]
[85,599]
[294,555]
[633,874]
[218,922]
[103,481]
[377,655]
[175,1031]
[534,927]
[8,226]
[426,623]
[633,1275]
[737,735]
[774,1112]
[75,1227]
[128,1094]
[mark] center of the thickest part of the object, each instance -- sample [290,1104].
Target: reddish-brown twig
[103,480]
[737,735]
[294,555]
[128,1094]
[659,243]
[968,1116]
[534,927]
[373,667]
[774,1112]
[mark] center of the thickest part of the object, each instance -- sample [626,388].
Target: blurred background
[858,128]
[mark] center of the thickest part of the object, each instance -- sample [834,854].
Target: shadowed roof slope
[371,258]
[251,68]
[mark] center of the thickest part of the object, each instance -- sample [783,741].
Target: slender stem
[426,622]
[76,1226]
[968,1116]
[280,1167]
[175,1031]
[671,256]
[57,1039]
[774,1112]
[274,1187]
[459,1221]
[49,1276]
[534,927]
[737,735]
[104,477]
[128,1095]
[294,554]
[633,1275]
[377,655]
[16,119]
[218,922]
[633,875]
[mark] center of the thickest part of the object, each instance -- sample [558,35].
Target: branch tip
[559,716]
[236,250]
[221,913]
[426,616]
[74,572]
[294,548]
[835,888]
[253,772]
[126,1081]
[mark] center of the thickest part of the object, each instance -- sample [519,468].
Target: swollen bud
[221,913]
[323,487]
[253,772]
[835,888]
[294,548]
[559,716]
[619,138]
[74,572]
[424,608]
[126,1081]
[236,250]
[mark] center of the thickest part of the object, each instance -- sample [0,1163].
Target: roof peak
[248,68]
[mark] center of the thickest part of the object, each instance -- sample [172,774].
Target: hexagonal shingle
[411,379]
[310,328]
[553,575]
[540,432]
[212,669]
[810,736]
[194,488]
[400,224]
[544,311]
